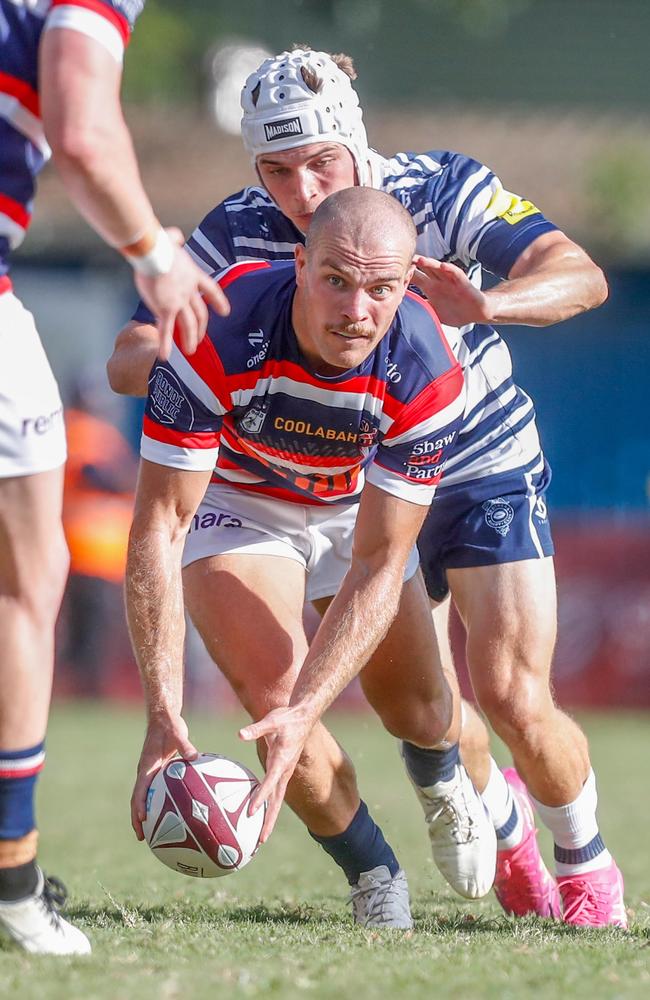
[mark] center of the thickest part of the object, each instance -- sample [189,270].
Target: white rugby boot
[380,899]
[462,836]
[36,925]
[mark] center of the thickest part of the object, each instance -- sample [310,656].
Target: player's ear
[301,259]
[408,277]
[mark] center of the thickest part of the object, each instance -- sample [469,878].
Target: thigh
[248,611]
[407,666]
[30,527]
[510,615]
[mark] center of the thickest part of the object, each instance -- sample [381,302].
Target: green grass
[280,927]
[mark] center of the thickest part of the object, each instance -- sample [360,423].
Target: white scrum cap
[282,112]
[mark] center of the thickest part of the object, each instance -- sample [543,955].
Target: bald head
[374,222]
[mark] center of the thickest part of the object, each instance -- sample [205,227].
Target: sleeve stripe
[107,13]
[88,23]
[175,457]
[181,439]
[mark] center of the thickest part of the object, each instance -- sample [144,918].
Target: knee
[517,707]
[39,587]
[424,722]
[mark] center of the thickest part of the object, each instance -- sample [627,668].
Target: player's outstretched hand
[285,731]
[182,297]
[451,293]
[165,737]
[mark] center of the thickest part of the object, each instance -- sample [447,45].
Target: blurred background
[553,95]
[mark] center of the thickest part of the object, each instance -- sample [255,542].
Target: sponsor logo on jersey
[43,423]
[281,128]
[518,209]
[255,338]
[498,515]
[367,434]
[393,374]
[213,520]
[301,427]
[253,419]
[167,397]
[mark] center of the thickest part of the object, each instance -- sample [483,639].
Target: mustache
[351,329]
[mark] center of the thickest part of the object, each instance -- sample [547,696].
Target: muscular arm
[354,625]
[552,280]
[79,84]
[166,500]
[134,352]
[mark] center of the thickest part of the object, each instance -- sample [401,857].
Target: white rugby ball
[197,816]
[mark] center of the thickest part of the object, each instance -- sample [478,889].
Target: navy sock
[18,772]
[18,882]
[426,767]
[360,848]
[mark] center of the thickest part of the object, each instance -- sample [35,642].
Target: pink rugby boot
[594,899]
[523,884]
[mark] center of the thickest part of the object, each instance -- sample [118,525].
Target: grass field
[281,928]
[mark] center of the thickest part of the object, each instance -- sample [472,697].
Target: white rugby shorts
[32,431]
[319,538]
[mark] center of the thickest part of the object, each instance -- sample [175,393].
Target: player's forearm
[134,353]
[154,606]
[556,289]
[100,173]
[355,623]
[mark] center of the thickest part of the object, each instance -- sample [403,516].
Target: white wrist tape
[158,260]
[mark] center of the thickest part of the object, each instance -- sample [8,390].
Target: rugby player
[60,70]
[488,537]
[311,432]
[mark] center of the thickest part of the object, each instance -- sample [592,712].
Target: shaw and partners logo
[424,462]
[282,127]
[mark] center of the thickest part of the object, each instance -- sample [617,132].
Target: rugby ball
[197,816]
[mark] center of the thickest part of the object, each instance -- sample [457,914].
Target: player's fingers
[188,329]
[187,750]
[165,335]
[201,313]
[255,730]
[214,296]
[273,807]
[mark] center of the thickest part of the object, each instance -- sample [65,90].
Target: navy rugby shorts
[485,523]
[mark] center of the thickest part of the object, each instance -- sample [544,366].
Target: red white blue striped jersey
[248,404]
[462,214]
[23,147]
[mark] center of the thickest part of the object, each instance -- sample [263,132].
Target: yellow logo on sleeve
[511,208]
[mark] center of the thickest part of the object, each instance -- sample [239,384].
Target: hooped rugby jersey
[248,404]
[23,147]
[463,215]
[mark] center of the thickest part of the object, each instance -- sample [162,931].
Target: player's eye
[335,280]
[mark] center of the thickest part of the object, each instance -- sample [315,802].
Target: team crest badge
[253,419]
[498,515]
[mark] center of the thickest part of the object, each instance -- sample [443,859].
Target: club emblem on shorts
[253,419]
[498,515]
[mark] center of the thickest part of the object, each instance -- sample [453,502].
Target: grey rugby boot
[462,836]
[380,899]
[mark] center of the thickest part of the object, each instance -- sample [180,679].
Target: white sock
[502,807]
[578,845]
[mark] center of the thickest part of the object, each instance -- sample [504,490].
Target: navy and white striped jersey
[464,215]
[23,147]
[248,405]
